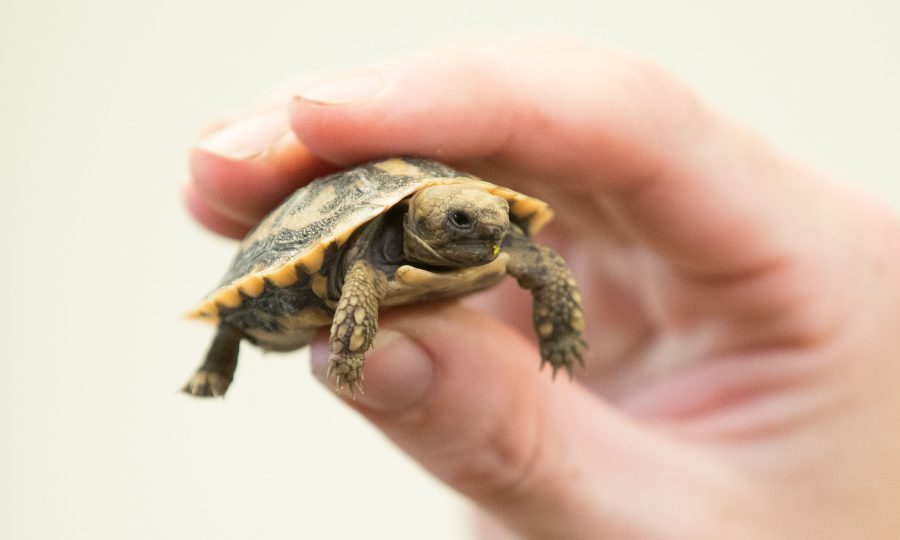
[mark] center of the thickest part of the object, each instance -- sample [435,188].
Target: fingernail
[345,90]
[247,138]
[398,373]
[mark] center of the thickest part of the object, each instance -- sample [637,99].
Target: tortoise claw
[348,371]
[563,353]
[207,384]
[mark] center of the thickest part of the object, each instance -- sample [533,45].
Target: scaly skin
[557,312]
[213,378]
[355,323]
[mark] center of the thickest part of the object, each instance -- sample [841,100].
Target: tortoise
[385,233]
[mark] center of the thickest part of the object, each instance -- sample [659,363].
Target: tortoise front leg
[355,322]
[214,377]
[558,316]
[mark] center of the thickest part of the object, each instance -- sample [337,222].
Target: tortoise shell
[289,251]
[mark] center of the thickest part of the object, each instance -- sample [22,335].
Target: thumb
[462,394]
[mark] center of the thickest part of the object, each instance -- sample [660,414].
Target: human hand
[743,311]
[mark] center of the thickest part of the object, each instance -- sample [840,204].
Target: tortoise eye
[460,219]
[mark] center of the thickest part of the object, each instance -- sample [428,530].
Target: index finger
[595,133]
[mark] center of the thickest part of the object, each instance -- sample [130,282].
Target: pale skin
[742,309]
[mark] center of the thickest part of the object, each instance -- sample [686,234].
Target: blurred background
[100,101]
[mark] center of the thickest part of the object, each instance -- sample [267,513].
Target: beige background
[100,100]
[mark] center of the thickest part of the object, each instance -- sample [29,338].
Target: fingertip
[247,189]
[398,374]
[474,389]
[342,118]
[210,218]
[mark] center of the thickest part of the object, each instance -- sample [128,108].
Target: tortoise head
[454,226]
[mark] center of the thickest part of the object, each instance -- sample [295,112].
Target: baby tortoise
[386,233]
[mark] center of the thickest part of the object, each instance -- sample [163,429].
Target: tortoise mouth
[450,256]
[474,252]
[420,252]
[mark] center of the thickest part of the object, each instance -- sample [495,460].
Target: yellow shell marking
[540,218]
[284,276]
[312,261]
[399,167]
[229,297]
[207,311]
[537,211]
[252,285]
[319,285]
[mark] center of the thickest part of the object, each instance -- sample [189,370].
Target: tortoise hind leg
[215,375]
